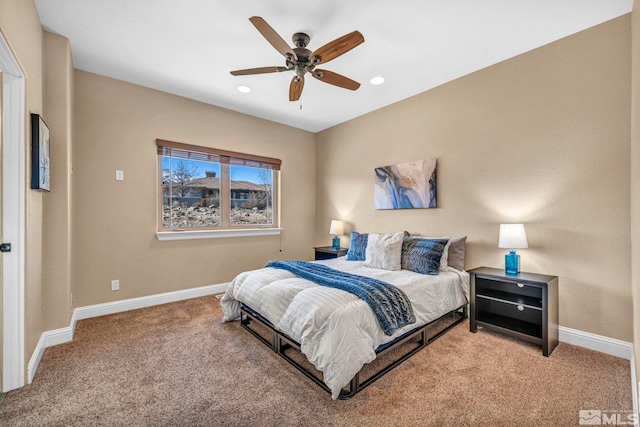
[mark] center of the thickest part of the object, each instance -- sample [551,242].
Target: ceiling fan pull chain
[301,104]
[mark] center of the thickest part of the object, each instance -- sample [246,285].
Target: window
[206,189]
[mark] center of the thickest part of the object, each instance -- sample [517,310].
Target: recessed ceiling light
[244,89]
[377,80]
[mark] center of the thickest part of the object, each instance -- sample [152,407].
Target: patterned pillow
[358,247]
[422,255]
[384,251]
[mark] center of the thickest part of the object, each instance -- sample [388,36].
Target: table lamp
[512,236]
[336,228]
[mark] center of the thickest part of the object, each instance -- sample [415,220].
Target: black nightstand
[327,252]
[523,305]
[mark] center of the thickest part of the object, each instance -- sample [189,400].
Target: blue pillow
[358,247]
[422,255]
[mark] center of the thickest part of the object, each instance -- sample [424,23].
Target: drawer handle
[520,308]
[520,285]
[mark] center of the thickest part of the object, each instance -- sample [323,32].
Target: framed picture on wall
[406,185]
[40,173]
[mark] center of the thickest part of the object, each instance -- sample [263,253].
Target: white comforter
[337,331]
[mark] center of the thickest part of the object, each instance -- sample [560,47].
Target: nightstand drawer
[517,317]
[517,293]
[324,255]
[327,252]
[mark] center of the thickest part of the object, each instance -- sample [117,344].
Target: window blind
[194,152]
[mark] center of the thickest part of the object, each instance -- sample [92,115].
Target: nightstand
[523,305]
[327,252]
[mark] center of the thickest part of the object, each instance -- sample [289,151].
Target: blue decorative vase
[335,243]
[512,262]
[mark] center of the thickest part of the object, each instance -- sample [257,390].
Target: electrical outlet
[115,285]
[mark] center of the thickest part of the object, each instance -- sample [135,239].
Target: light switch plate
[119,175]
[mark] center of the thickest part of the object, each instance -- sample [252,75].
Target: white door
[12,196]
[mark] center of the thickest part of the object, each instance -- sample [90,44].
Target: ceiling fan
[302,61]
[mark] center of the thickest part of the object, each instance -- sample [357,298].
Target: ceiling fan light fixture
[244,89]
[377,80]
[302,60]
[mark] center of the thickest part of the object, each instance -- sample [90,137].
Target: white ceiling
[188,47]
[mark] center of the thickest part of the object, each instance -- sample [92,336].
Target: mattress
[337,331]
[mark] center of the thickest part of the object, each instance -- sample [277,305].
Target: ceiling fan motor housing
[301,39]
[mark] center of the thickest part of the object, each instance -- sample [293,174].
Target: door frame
[13,195]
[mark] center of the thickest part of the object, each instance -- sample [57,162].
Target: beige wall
[542,139]
[58,110]
[635,180]
[21,28]
[116,125]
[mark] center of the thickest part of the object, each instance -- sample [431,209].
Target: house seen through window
[205,188]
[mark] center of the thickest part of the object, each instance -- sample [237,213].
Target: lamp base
[335,243]
[512,263]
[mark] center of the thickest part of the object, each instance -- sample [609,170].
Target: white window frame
[226,229]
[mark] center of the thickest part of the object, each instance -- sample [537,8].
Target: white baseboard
[34,361]
[612,346]
[62,335]
[48,339]
[96,310]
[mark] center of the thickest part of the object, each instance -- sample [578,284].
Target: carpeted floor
[178,365]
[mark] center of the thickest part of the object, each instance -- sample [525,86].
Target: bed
[336,330]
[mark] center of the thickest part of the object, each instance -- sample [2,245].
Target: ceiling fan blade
[260,70]
[336,79]
[295,88]
[337,47]
[272,37]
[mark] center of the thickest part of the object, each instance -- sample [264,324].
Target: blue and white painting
[406,185]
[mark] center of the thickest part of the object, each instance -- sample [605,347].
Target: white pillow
[444,259]
[384,251]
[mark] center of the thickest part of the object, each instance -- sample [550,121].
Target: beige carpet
[178,365]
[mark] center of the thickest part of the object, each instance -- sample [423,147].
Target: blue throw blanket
[390,305]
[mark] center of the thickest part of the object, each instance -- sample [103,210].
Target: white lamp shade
[337,227]
[512,236]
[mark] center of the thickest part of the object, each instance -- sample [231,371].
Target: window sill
[216,234]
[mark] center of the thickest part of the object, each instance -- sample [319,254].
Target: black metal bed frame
[280,342]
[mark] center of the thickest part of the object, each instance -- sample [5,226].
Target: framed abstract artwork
[40,174]
[409,185]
